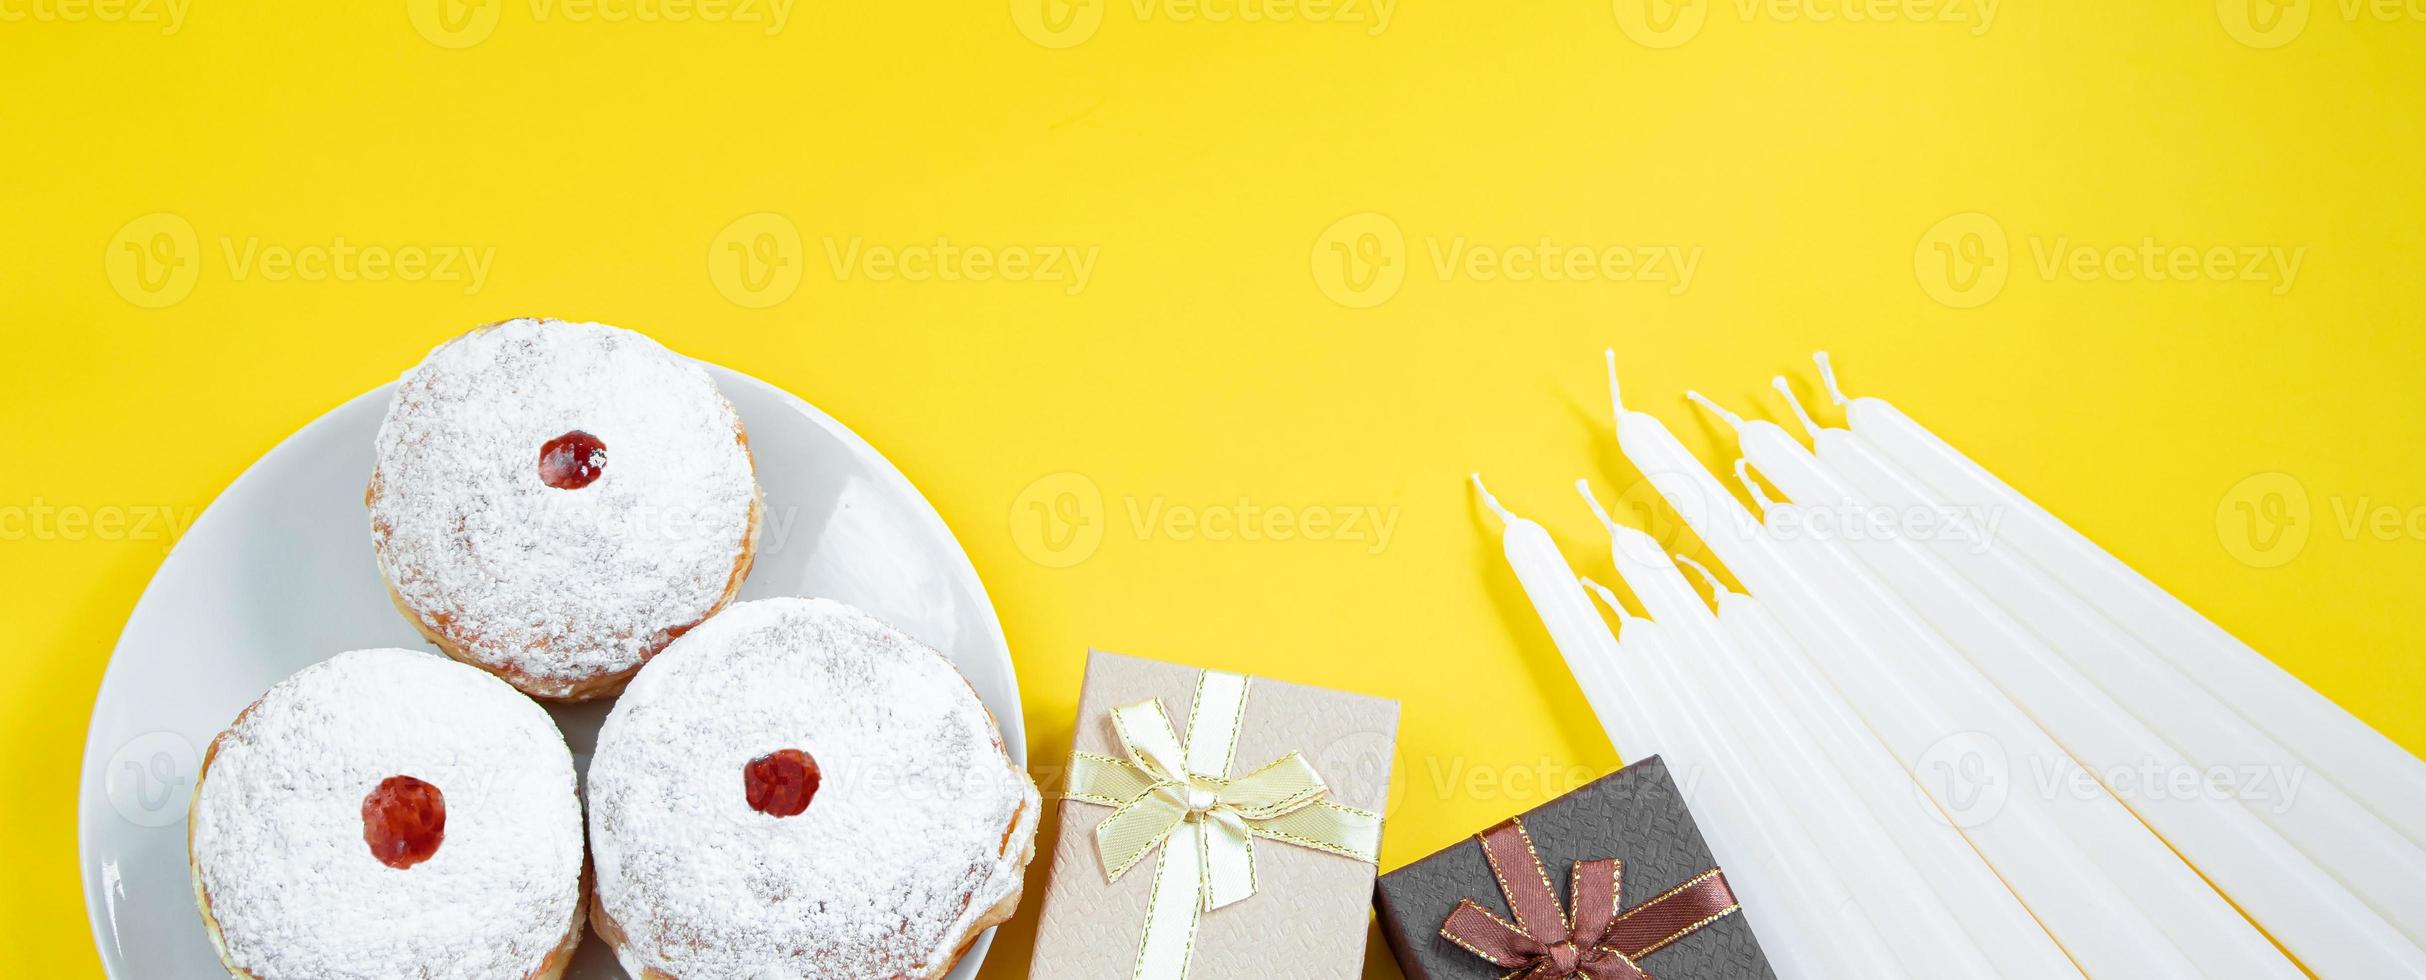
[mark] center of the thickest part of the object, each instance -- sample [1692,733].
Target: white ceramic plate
[278,574]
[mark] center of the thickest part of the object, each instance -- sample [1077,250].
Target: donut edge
[551,966]
[596,686]
[1014,858]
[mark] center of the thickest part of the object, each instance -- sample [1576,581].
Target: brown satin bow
[1601,942]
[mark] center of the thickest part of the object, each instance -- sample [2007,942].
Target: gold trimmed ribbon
[1179,798]
[1594,937]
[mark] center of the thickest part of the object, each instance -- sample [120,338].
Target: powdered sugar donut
[555,501]
[795,789]
[389,813]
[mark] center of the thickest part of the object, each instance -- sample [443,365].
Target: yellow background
[1206,360]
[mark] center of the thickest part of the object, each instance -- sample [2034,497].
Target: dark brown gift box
[1635,815]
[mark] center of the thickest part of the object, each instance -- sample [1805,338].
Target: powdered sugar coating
[555,587]
[277,832]
[920,826]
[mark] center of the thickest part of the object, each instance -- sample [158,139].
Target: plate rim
[89,792]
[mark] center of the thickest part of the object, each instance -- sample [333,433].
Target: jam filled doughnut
[554,502]
[795,789]
[389,813]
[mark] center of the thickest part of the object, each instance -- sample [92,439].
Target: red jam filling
[780,784]
[403,820]
[572,460]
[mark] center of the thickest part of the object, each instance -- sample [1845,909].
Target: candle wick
[1716,590]
[1743,472]
[1733,420]
[1828,376]
[1489,500]
[1809,425]
[1623,617]
[1617,403]
[1585,487]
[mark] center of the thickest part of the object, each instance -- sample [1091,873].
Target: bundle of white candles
[1977,746]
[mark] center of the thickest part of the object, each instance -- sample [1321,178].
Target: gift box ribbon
[1181,799]
[1600,941]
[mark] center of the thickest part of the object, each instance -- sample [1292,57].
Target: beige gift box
[1308,916]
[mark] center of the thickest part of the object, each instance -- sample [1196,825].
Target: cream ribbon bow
[1167,793]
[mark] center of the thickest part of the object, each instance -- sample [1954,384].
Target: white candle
[2314,916]
[1771,865]
[1778,770]
[1591,652]
[2331,827]
[1582,638]
[1764,658]
[2051,857]
[2330,740]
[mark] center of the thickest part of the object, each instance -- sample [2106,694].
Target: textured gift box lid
[1635,815]
[1307,918]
